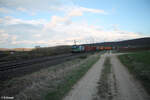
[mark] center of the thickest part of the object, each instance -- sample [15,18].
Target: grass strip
[71,78]
[138,65]
[103,84]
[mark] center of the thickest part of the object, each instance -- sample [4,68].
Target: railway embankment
[18,69]
[51,83]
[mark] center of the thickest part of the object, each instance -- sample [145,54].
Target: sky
[30,23]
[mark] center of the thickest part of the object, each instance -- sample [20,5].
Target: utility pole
[74,42]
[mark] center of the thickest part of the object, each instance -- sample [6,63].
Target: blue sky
[27,23]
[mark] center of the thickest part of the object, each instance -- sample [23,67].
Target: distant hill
[140,42]
[4,49]
[134,42]
[16,49]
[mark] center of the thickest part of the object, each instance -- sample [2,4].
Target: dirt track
[126,86]
[85,89]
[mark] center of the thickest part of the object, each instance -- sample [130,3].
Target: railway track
[15,69]
[11,65]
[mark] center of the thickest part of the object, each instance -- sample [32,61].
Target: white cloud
[8,20]
[75,12]
[22,9]
[57,21]
[59,30]
[32,5]
[72,12]
[78,11]
[5,10]
[65,34]
[37,35]
[5,38]
[84,32]
[92,10]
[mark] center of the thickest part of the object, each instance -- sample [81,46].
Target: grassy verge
[139,65]
[104,89]
[70,79]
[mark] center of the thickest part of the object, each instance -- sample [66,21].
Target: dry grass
[34,53]
[36,85]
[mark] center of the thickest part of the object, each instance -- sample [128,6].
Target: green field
[138,64]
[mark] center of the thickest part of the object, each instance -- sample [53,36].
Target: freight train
[88,48]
